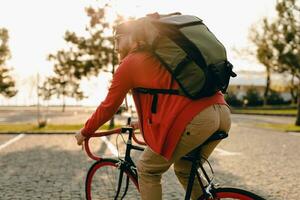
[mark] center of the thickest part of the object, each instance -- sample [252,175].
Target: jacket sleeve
[121,84]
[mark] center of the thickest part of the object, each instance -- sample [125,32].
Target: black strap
[154,103]
[229,74]
[155,93]
[181,66]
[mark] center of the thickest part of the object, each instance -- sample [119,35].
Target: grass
[290,112]
[280,127]
[33,128]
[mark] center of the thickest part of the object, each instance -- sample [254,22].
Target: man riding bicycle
[171,129]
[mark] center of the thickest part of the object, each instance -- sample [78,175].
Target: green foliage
[286,41]
[64,83]
[279,41]
[232,100]
[262,38]
[266,111]
[286,37]
[274,98]
[48,128]
[264,51]
[7,84]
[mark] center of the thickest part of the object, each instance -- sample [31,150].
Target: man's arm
[121,84]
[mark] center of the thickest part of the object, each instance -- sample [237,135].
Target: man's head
[124,42]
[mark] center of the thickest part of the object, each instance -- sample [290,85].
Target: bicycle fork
[120,180]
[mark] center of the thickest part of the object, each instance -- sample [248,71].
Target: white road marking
[294,133]
[111,147]
[223,152]
[9,142]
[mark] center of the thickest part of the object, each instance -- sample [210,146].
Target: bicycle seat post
[195,163]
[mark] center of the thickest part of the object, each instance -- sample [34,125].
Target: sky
[36,29]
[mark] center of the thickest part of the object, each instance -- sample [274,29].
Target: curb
[266,114]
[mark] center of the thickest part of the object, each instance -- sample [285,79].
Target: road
[54,167]
[53,115]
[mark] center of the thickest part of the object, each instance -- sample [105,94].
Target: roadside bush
[275,98]
[42,123]
[253,98]
[232,100]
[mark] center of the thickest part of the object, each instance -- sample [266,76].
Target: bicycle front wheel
[233,193]
[106,181]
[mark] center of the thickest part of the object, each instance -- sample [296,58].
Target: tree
[7,84]
[280,43]
[86,57]
[64,83]
[264,51]
[286,41]
[293,86]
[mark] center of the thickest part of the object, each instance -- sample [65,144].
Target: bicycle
[121,173]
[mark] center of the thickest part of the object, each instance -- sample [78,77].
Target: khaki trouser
[152,165]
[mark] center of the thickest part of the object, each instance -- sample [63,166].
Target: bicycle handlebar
[105,133]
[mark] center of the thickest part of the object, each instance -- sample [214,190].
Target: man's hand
[79,137]
[135,125]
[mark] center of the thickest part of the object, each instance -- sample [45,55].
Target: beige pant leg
[225,124]
[151,165]
[182,167]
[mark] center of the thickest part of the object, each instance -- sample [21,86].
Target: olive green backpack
[190,52]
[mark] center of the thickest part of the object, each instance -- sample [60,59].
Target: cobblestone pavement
[54,167]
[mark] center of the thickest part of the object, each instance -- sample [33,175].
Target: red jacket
[162,130]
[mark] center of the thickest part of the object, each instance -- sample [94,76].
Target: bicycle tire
[102,178]
[232,193]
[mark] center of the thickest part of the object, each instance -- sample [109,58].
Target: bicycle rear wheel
[102,182]
[233,193]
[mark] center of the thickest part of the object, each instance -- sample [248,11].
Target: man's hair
[125,27]
[136,29]
[133,28]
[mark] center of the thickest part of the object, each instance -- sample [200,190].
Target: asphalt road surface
[54,167]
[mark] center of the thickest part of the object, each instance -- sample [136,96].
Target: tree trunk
[293,90]
[298,108]
[64,104]
[266,93]
[112,123]
[112,120]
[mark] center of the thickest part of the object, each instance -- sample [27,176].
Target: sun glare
[36,31]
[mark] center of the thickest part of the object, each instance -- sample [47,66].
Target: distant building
[248,79]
